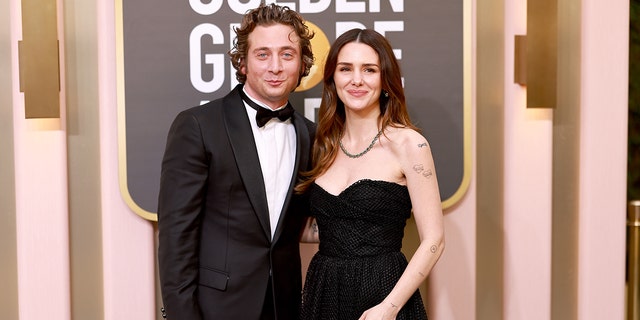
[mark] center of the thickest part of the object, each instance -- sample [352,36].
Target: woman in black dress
[372,170]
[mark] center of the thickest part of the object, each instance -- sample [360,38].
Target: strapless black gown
[359,259]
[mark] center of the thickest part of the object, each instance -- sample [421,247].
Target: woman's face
[357,77]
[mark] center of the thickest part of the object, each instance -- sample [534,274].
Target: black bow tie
[263,115]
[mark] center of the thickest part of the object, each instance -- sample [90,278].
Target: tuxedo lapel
[246,155]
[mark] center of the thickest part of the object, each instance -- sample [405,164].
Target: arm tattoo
[418,168]
[434,248]
[421,274]
[314,226]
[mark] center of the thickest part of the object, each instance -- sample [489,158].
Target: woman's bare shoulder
[403,137]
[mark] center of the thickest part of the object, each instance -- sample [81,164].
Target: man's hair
[267,15]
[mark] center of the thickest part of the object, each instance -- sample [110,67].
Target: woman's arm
[414,154]
[309,233]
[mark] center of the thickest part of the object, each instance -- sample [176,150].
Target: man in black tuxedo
[229,221]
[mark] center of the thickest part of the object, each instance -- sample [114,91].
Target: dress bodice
[366,219]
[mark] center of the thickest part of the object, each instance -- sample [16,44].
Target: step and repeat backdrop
[172,56]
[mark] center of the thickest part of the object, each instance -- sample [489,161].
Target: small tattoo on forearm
[434,249]
[421,274]
[418,168]
[423,145]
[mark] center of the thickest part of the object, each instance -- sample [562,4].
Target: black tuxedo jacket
[215,249]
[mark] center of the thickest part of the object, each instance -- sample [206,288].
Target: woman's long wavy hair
[267,15]
[331,116]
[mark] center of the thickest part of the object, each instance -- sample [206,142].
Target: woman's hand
[383,311]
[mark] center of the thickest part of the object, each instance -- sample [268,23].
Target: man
[229,222]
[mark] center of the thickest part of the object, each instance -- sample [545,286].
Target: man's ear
[243,67]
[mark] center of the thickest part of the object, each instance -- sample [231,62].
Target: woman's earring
[385,94]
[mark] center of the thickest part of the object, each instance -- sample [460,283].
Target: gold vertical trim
[39,59]
[633,260]
[490,84]
[520,58]
[565,164]
[83,156]
[541,53]
[8,242]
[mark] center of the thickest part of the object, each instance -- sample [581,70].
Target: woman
[372,168]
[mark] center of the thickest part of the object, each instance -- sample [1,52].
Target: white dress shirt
[276,145]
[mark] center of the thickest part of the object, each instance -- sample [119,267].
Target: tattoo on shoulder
[423,145]
[419,168]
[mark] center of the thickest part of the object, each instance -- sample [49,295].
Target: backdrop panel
[172,56]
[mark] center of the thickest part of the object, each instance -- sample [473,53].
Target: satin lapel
[303,143]
[246,156]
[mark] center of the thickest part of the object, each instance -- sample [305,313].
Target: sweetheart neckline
[358,182]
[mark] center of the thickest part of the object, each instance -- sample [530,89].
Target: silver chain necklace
[353,156]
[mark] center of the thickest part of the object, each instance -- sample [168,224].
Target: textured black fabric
[359,260]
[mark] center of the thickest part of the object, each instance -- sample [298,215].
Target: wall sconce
[536,54]
[39,59]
